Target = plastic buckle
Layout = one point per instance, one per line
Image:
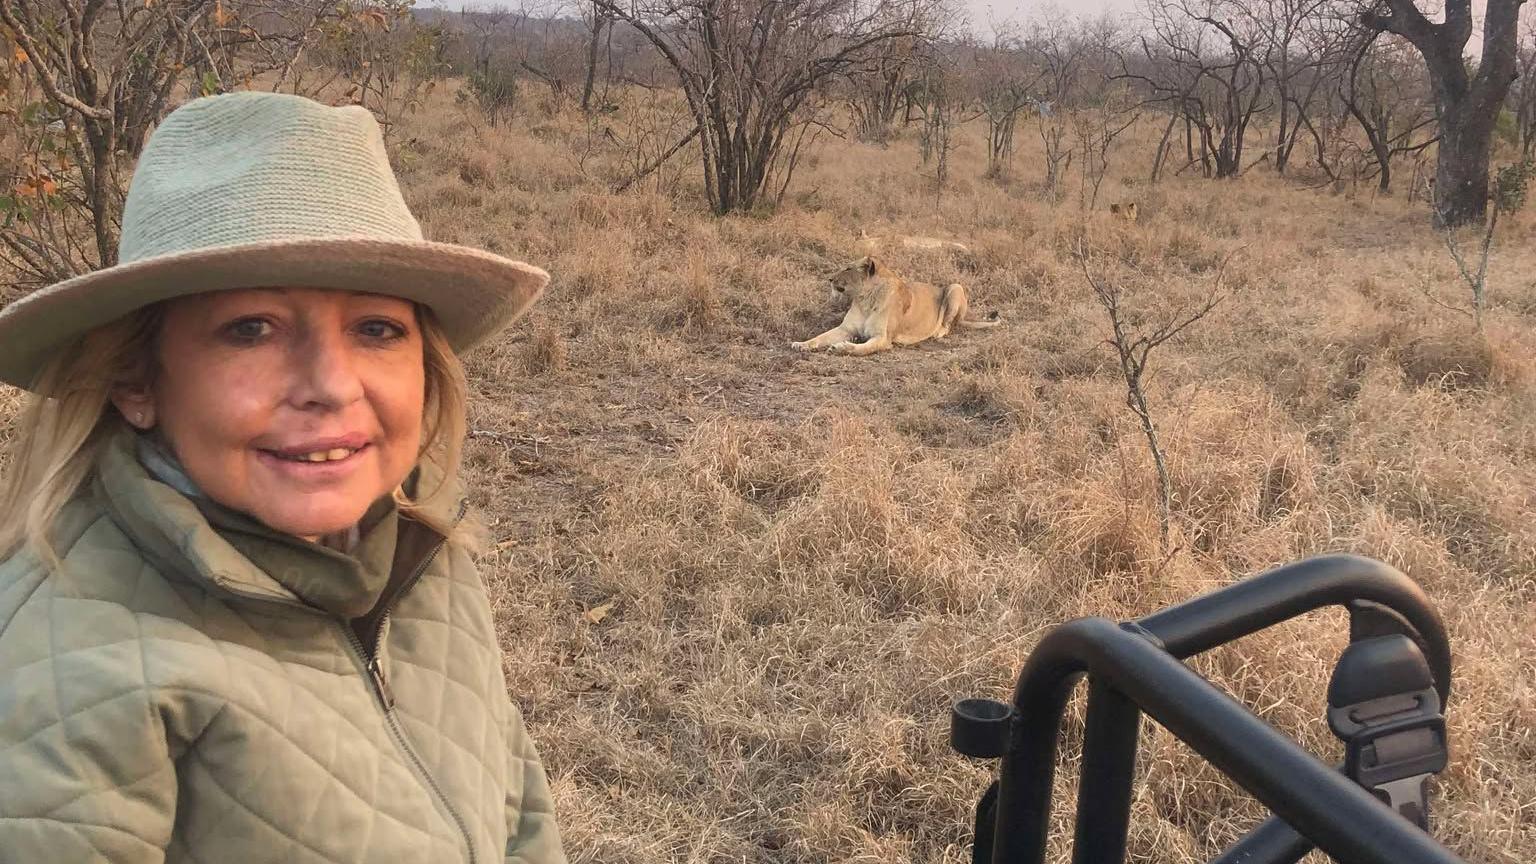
(1396, 758)
(1393, 741)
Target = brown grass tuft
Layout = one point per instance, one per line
(545, 352)
(476, 169)
(1462, 359)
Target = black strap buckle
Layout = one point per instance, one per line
(1382, 704)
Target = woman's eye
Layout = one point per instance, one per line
(249, 329)
(381, 330)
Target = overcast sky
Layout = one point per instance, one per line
(1022, 9)
(984, 11)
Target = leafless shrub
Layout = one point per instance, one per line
(751, 73)
(80, 92)
(1133, 344)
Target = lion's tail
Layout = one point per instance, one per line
(992, 320)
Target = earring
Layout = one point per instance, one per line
(138, 418)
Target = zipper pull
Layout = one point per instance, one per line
(379, 681)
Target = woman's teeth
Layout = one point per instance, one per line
(335, 455)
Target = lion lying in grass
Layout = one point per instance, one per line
(871, 244)
(886, 310)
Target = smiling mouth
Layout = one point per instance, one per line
(334, 454)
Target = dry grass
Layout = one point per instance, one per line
(809, 557)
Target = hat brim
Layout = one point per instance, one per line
(473, 293)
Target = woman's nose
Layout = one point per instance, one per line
(325, 373)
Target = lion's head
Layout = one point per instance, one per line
(851, 277)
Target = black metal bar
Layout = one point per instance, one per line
(1284, 592)
(1273, 842)
(1109, 762)
(1344, 820)
(1024, 778)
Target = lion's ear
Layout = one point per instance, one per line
(869, 265)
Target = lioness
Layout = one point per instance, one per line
(886, 309)
(871, 243)
(1128, 212)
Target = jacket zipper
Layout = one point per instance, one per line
(387, 696)
(387, 701)
(410, 581)
(380, 684)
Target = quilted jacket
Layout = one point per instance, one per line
(191, 687)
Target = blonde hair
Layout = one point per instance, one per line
(56, 439)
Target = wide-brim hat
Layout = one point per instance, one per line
(265, 190)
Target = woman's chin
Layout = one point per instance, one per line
(315, 512)
(314, 523)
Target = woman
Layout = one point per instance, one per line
(238, 621)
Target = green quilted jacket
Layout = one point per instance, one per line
(191, 687)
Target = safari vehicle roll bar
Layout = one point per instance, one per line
(1385, 702)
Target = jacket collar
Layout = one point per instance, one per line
(194, 535)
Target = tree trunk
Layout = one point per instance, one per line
(1461, 170)
(98, 134)
(1466, 105)
(1282, 152)
(599, 21)
(1162, 148)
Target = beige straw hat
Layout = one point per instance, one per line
(250, 190)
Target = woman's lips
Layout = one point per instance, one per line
(301, 449)
(318, 465)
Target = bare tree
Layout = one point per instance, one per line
(1301, 43)
(1133, 344)
(651, 133)
(492, 81)
(1476, 280)
(938, 97)
(97, 103)
(1525, 96)
(1006, 83)
(1203, 58)
(1382, 92)
(1105, 107)
(1164, 85)
(1510, 187)
(1232, 80)
(750, 69)
(882, 83)
(1055, 46)
(1096, 126)
(1333, 143)
(601, 23)
(388, 60)
(91, 78)
(1467, 99)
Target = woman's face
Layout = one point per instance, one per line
(300, 407)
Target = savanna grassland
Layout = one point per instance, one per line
(739, 586)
